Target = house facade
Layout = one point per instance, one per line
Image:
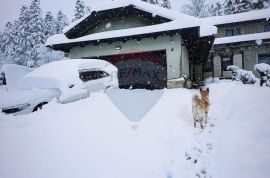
(242, 39)
(151, 46)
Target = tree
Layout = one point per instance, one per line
(216, 9)
(162, 3)
(229, 7)
(61, 22)
(80, 10)
(49, 25)
(197, 8)
(242, 6)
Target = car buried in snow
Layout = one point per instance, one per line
(65, 80)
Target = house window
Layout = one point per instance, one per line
(233, 32)
(208, 65)
(226, 61)
(267, 28)
(264, 58)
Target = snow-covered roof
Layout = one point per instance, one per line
(242, 38)
(138, 4)
(240, 17)
(205, 30)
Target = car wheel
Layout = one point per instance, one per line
(39, 106)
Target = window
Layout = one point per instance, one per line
(226, 61)
(264, 58)
(267, 28)
(208, 66)
(233, 32)
(87, 75)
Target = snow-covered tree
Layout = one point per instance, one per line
(229, 7)
(260, 4)
(80, 10)
(22, 40)
(216, 9)
(162, 3)
(61, 22)
(49, 25)
(242, 6)
(197, 8)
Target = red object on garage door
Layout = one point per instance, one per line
(147, 70)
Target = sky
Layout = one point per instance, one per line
(9, 9)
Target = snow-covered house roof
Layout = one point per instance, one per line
(240, 17)
(257, 37)
(175, 21)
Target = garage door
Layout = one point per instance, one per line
(146, 70)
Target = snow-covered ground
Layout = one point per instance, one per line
(142, 134)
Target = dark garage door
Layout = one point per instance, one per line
(146, 70)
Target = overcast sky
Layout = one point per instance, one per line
(9, 9)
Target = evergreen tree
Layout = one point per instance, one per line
(162, 3)
(229, 7)
(80, 10)
(61, 22)
(216, 9)
(197, 8)
(49, 25)
(242, 6)
(260, 4)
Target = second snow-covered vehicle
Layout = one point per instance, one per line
(66, 80)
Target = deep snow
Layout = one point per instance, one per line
(93, 138)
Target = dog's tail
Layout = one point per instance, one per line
(195, 99)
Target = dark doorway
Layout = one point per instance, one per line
(147, 70)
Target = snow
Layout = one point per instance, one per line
(170, 14)
(264, 68)
(55, 78)
(205, 30)
(242, 38)
(240, 17)
(108, 25)
(96, 137)
(13, 77)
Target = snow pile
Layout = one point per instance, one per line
(13, 77)
(58, 38)
(95, 137)
(264, 70)
(256, 37)
(246, 77)
(239, 17)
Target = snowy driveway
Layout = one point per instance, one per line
(92, 138)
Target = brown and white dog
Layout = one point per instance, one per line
(200, 107)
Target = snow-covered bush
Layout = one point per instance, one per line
(264, 70)
(246, 77)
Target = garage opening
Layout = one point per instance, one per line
(147, 70)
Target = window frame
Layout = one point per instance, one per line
(233, 32)
(88, 78)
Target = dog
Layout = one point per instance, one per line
(200, 107)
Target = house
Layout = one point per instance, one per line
(151, 46)
(242, 39)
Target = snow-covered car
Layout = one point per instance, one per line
(66, 80)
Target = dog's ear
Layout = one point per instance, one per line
(201, 89)
(207, 90)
